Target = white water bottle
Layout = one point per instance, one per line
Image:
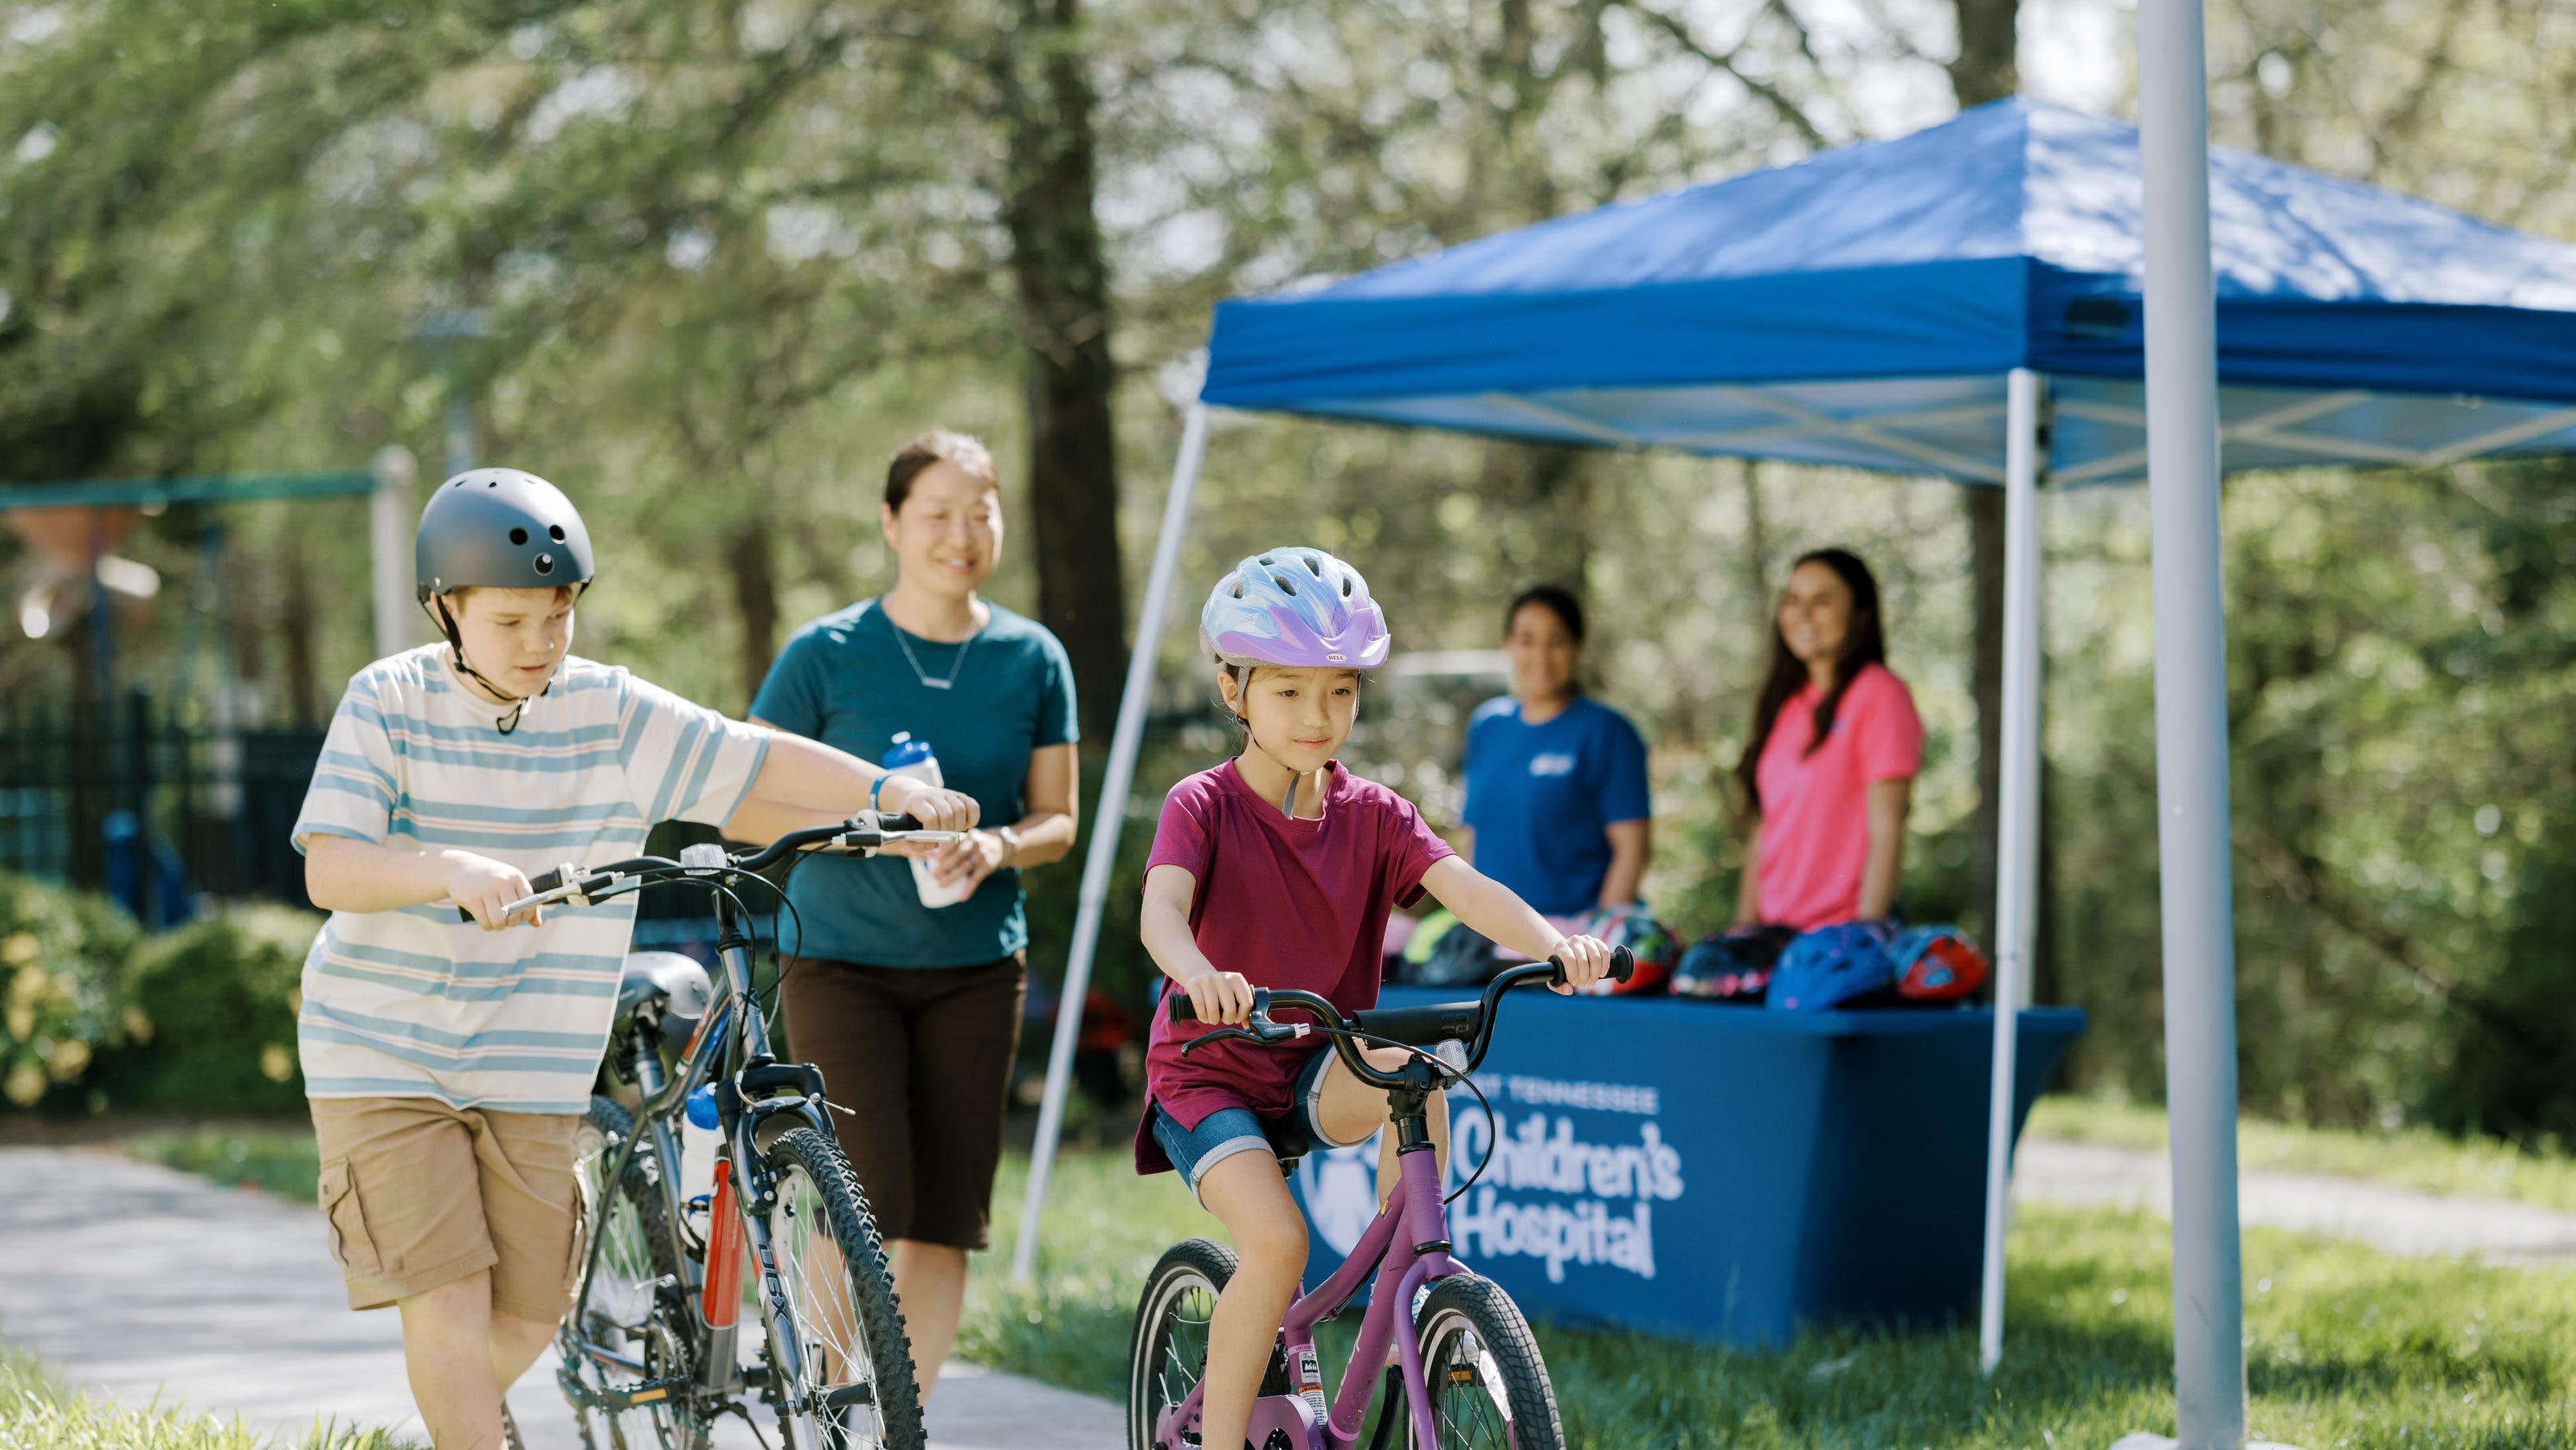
(912, 758)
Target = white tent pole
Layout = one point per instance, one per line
(2191, 727)
(1107, 816)
(2016, 829)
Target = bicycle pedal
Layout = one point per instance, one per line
(650, 1392)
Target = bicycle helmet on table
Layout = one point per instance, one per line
(496, 528)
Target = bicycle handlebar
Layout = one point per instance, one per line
(1447, 1018)
(862, 834)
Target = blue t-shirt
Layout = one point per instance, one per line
(843, 680)
(1540, 798)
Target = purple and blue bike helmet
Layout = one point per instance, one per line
(1297, 607)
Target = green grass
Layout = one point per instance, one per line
(2408, 1157)
(36, 1413)
(279, 1159)
(2347, 1347)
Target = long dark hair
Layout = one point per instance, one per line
(1864, 643)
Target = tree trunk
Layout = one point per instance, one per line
(755, 599)
(1063, 276)
(1986, 70)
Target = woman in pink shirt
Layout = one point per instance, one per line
(1829, 771)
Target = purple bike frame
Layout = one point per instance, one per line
(1415, 1219)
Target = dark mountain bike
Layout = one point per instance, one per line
(650, 1353)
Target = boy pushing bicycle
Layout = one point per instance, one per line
(448, 1063)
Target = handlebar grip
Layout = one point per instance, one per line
(1183, 1010)
(1623, 964)
(893, 822)
(538, 885)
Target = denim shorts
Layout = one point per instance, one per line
(1229, 1131)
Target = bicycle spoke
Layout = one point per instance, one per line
(836, 1372)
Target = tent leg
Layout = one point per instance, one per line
(1107, 817)
(2191, 727)
(2017, 829)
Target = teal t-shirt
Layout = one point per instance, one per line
(843, 680)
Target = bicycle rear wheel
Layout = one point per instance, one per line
(843, 1377)
(1169, 1351)
(1489, 1388)
(636, 1308)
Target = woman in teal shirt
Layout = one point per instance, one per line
(913, 1012)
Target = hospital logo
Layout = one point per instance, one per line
(1340, 1189)
(1553, 763)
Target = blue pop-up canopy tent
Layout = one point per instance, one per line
(1968, 302)
(1865, 307)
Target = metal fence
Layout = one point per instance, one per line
(153, 805)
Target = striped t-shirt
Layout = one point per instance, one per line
(412, 1003)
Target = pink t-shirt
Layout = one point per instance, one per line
(1815, 808)
(1288, 903)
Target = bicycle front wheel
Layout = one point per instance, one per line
(839, 1359)
(1169, 1351)
(1489, 1388)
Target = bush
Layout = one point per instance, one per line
(215, 1007)
(63, 958)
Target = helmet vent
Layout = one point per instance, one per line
(1312, 566)
(1346, 588)
(545, 563)
(1286, 584)
(518, 536)
(555, 532)
(491, 483)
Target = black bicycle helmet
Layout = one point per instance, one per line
(496, 528)
(499, 528)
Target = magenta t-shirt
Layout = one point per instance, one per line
(1815, 808)
(1288, 903)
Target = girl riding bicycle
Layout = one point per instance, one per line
(1278, 869)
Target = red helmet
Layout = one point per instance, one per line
(1648, 940)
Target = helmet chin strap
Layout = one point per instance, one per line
(1288, 806)
(446, 623)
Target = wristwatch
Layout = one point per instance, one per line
(1010, 844)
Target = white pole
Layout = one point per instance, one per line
(2016, 828)
(2191, 727)
(1106, 818)
(389, 530)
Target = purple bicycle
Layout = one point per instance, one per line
(1468, 1376)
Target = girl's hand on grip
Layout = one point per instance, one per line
(1220, 997)
(1586, 958)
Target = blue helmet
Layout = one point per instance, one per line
(1832, 965)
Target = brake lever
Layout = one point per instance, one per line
(1262, 1033)
(1219, 1035)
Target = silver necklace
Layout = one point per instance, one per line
(913, 660)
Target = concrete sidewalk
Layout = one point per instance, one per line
(2395, 1220)
(143, 1281)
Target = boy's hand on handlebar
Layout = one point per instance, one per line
(485, 888)
(1586, 958)
(937, 808)
(1220, 997)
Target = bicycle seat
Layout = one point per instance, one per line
(673, 983)
(1288, 1141)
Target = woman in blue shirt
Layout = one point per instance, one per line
(1556, 782)
(913, 1012)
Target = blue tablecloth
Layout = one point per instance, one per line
(1716, 1172)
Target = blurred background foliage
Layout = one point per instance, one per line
(730, 253)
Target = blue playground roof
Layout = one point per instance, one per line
(1862, 307)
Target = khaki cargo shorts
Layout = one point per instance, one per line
(420, 1194)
